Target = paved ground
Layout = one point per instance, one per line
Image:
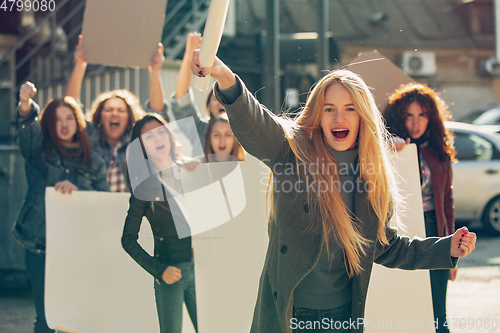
(473, 299)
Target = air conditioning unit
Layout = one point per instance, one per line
(419, 63)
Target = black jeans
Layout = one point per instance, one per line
(35, 267)
(322, 321)
(439, 278)
(170, 297)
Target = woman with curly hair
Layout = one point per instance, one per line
(416, 113)
(333, 197)
(114, 113)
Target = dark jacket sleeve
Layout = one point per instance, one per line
(101, 174)
(162, 113)
(190, 110)
(256, 128)
(417, 253)
(448, 200)
(30, 136)
(136, 212)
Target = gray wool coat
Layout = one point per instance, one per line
(294, 247)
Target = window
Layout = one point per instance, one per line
(472, 147)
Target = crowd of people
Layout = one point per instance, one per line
(322, 245)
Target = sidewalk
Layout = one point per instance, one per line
(472, 299)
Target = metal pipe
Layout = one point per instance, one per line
(53, 49)
(323, 45)
(271, 75)
(497, 30)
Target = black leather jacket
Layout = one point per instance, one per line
(168, 248)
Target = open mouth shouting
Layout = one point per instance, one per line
(161, 148)
(64, 131)
(114, 125)
(340, 120)
(340, 133)
(114, 119)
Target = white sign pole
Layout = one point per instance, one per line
(211, 39)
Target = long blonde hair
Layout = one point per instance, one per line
(308, 143)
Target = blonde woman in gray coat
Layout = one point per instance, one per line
(332, 197)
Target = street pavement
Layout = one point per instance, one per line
(473, 298)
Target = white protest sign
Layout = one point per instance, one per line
(399, 299)
(211, 38)
(93, 286)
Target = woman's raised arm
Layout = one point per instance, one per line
(259, 131)
(219, 71)
(193, 42)
(74, 85)
(156, 96)
(26, 93)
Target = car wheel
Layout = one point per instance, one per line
(491, 216)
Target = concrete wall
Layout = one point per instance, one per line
(13, 188)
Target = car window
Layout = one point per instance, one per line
(471, 117)
(472, 147)
(490, 117)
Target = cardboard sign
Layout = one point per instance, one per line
(122, 32)
(380, 74)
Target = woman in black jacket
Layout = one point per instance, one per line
(154, 171)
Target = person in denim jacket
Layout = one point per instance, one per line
(114, 113)
(57, 151)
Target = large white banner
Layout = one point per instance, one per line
(93, 286)
(398, 299)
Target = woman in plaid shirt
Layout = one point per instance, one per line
(114, 113)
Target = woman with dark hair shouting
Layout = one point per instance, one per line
(57, 151)
(172, 265)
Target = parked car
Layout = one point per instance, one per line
(487, 116)
(476, 176)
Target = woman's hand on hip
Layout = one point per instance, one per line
(462, 242)
(171, 275)
(453, 274)
(65, 186)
